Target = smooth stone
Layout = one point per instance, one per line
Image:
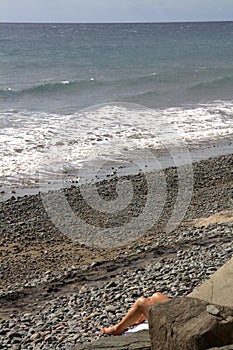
(211, 309)
(111, 308)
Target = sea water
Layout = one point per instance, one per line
(70, 93)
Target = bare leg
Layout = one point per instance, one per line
(155, 299)
(141, 319)
(137, 314)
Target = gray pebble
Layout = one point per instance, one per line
(211, 309)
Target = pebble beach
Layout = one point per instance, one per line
(56, 292)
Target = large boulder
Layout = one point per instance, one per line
(133, 341)
(190, 324)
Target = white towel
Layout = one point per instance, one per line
(137, 328)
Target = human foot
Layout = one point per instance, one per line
(110, 330)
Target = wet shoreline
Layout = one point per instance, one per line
(193, 154)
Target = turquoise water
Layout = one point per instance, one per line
(183, 72)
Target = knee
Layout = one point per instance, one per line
(141, 301)
(157, 295)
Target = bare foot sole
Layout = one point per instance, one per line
(110, 330)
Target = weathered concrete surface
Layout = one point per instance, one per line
(219, 288)
(134, 341)
(185, 324)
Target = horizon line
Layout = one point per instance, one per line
(114, 22)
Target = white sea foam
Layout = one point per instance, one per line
(56, 143)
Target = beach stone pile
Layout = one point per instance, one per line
(57, 294)
(31, 244)
(76, 318)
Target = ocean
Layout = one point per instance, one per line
(71, 93)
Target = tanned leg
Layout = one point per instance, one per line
(155, 299)
(137, 313)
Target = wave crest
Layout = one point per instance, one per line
(215, 83)
(45, 88)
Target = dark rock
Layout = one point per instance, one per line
(185, 324)
(134, 341)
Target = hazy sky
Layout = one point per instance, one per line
(114, 10)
